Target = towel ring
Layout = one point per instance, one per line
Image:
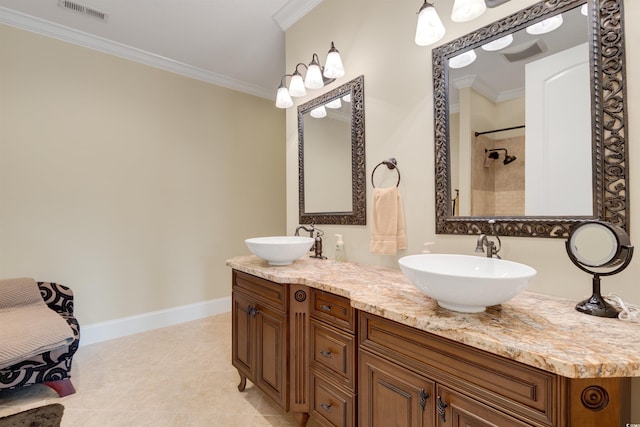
(391, 164)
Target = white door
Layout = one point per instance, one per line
(558, 167)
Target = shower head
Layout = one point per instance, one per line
(493, 154)
(508, 159)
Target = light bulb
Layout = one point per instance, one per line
(429, 29)
(546, 26)
(498, 44)
(313, 79)
(463, 59)
(333, 68)
(334, 104)
(296, 86)
(319, 112)
(283, 99)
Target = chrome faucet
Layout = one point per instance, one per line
(483, 240)
(317, 242)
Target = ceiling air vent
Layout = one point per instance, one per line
(85, 10)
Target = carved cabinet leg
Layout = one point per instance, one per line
(301, 418)
(243, 382)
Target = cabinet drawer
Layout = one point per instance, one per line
(333, 350)
(270, 293)
(502, 383)
(332, 405)
(333, 309)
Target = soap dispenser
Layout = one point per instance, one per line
(339, 248)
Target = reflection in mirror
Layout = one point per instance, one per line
(331, 159)
(541, 99)
(327, 156)
(510, 94)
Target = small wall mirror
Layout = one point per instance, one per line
(532, 133)
(598, 245)
(331, 157)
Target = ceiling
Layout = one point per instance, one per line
(237, 44)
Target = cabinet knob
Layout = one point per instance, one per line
(325, 307)
(254, 312)
(326, 353)
(249, 309)
(442, 409)
(326, 407)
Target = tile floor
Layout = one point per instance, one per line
(175, 376)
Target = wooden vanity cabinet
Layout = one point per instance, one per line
(464, 386)
(270, 330)
(259, 310)
(333, 350)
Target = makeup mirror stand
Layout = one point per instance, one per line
(619, 257)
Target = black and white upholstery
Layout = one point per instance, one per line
(51, 368)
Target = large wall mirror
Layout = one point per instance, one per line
(530, 126)
(331, 157)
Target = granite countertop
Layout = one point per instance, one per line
(538, 330)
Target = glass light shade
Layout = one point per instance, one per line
(347, 98)
(546, 26)
(319, 112)
(333, 68)
(283, 99)
(429, 29)
(463, 59)
(296, 86)
(336, 103)
(584, 10)
(498, 44)
(313, 79)
(466, 10)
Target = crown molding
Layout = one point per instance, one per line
(80, 38)
(292, 11)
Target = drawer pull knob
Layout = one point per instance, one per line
(326, 353)
(442, 409)
(326, 407)
(325, 307)
(423, 396)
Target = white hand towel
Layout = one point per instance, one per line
(387, 222)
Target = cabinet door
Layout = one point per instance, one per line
(271, 372)
(393, 396)
(244, 335)
(456, 410)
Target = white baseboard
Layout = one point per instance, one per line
(104, 331)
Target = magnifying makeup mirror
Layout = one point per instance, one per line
(597, 244)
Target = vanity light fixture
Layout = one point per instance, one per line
(316, 77)
(546, 26)
(466, 10)
(498, 44)
(430, 28)
(336, 103)
(462, 60)
(584, 10)
(318, 113)
(283, 98)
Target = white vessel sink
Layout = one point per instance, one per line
(279, 250)
(466, 283)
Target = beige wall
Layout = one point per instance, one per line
(128, 183)
(375, 38)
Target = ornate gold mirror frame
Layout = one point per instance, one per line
(609, 123)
